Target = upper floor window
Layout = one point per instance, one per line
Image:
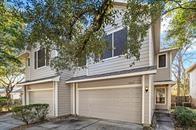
(162, 61)
(116, 43)
(28, 62)
(41, 58)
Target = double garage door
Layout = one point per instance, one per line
(120, 103)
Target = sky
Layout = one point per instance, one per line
(192, 50)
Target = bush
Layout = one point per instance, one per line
(31, 113)
(185, 117)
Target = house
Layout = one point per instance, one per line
(108, 89)
(192, 83)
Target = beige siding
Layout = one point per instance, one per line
(38, 73)
(111, 82)
(122, 104)
(193, 84)
(117, 63)
(163, 73)
(64, 94)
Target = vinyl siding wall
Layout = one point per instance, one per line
(42, 72)
(64, 94)
(163, 73)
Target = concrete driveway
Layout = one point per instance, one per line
(7, 122)
(83, 123)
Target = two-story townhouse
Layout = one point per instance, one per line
(111, 88)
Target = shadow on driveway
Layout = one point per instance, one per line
(82, 123)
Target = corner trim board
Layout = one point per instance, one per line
(143, 94)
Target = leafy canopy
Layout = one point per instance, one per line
(11, 36)
(75, 28)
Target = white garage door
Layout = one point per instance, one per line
(45, 96)
(124, 104)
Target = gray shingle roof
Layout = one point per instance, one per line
(114, 73)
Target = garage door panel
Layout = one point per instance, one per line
(118, 104)
(41, 97)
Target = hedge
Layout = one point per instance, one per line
(31, 113)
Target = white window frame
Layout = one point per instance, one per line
(165, 61)
(37, 59)
(156, 96)
(113, 47)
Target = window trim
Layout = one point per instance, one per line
(36, 52)
(113, 47)
(156, 96)
(165, 61)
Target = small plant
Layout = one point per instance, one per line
(185, 117)
(31, 113)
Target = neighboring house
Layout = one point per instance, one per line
(192, 83)
(15, 94)
(109, 89)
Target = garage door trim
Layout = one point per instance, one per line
(40, 89)
(112, 87)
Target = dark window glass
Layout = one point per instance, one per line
(108, 51)
(35, 60)
(41, 58)
(28, 61)
(47, 56)
(162, 60)
(120, 41)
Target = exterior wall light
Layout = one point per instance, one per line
(146, 89)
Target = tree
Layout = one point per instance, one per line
(183, 57)
(75, 28)
(10, 76)
(11, 36)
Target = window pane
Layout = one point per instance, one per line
(120, 41)
(160, 95)
(35, 60)
(162, 61)
(41, 58)
(28, 61)
(47, 56)
(108, 51)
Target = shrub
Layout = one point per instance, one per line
(185, 117)
(31, 113)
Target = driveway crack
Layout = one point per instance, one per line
(88, 125)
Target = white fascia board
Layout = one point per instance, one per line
(115, 76)
(40, 81)
(166, 82)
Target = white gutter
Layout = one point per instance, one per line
(40, 81)
(114, 76)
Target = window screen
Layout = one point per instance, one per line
(41, 58)
(162, 60)
(108, 50)
(120, 41)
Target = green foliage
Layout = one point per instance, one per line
(11, 36)
(185, 117)
(75, 29)
(31, 113)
